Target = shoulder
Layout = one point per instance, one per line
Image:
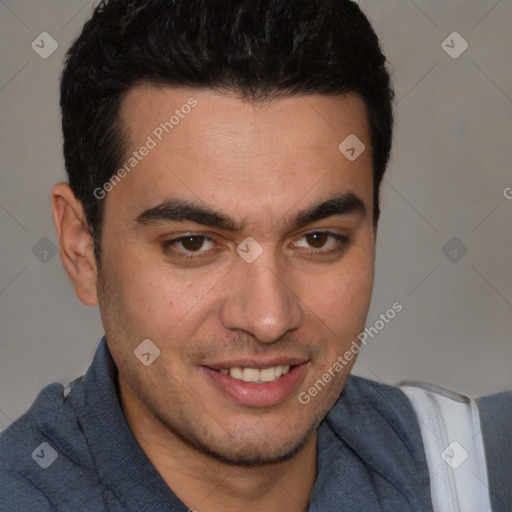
(17, 440)
(375, 425)
(382, 411)
(468, 444)
(41, 452)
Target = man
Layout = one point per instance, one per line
(224, 164)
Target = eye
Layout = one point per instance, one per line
(319, 239)
(190, 244)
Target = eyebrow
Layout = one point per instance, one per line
(183, 210)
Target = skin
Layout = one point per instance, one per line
(260, 164)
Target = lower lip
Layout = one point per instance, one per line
(258, 395)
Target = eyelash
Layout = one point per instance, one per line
(342, 240)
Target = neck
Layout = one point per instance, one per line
(204, 483)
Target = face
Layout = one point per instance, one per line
(241, 244)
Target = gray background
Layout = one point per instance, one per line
(451, 166)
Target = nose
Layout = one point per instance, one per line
(261, 300)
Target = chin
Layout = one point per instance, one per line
(255, 453)
(252, 446)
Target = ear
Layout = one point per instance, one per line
(75, 242)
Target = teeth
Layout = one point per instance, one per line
(268, 374)
(251, 375)
(236, 373)
(255, 375)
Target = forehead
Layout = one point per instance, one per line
(216, 147)
(240, 119)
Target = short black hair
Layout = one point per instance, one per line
(258, 49)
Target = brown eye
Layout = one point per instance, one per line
(317, 240)
(192, 243)
(322, 243)
(189, 246)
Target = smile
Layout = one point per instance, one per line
(257, 387)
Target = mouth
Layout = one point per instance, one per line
(256, 385)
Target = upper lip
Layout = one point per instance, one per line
(259, 364)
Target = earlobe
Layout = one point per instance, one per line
(75, 242)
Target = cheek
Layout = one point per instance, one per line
(151, 297)
(340, 298)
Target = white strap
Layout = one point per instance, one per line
(452, 437)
